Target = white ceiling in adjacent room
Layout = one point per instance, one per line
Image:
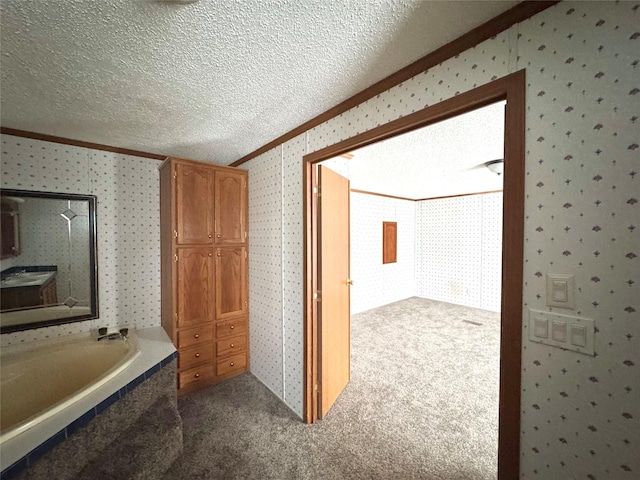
(439, 160)
(211, 80)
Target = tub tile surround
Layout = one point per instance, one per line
(24, 450)
(128, 226)
(579, 414)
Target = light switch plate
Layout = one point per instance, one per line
(578, 335)
(567, 332)
(541, 327)
(559, 331)
(560, 290)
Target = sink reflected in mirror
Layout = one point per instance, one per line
(48, 267)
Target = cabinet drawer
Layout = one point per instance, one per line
(202, 373)
(195, 335)
(231, 345)
(194, 355)
(231, 364)
(231, 327)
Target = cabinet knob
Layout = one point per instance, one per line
(219, 254)
(209, 235)
(232, 345)
(231, 364)
(218, 235)
(211, 254)
(197, 355)
(232, 327)
(197, 375)
(196, 336)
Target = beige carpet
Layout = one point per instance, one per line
(422, 404)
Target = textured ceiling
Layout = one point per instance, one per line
(435, 161)
(211, 80)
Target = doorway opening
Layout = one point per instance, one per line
(511, 89)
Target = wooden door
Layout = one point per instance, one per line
(195, 289)
(194, 200)
(230, 206)
(334, 323)
(231, 282)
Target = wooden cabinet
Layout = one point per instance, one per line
(231, 282)
(204, 258)
(195, 292)
(230, 207)
(194, 204)
(10, 229)
(18, 298)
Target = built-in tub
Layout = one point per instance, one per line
(34, 438)
(40, 381)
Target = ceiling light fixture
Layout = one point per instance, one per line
(496, 166)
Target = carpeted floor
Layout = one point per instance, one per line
(422, 404)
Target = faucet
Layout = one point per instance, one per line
(103, 335)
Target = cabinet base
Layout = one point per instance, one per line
(207, 382)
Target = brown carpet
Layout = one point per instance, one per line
(422, 404)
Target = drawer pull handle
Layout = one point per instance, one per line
(231, 364)
(197, 375)
(197, 355)
(232, 345)
(232, 327)
(196, 336)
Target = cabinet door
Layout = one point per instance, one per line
(231, 282)
(10, 229)
(194, 204)
(230, 206)
(195, 290)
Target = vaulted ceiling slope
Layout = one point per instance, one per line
(212, 80)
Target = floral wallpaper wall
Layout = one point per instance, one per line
(459, 250)
(580, 414)
(375, 283)
(128, 203)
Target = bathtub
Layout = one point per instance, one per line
(36, 383)
(63, 383)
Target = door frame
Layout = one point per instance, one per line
(511, 88)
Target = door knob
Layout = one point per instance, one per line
(349, 281)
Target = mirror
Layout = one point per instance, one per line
(48, 264)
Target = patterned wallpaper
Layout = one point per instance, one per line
(276, 271)
(376, 284)
(292, 271)
(265, 269)
(459, 250)
(127, 189)
(580, 415)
